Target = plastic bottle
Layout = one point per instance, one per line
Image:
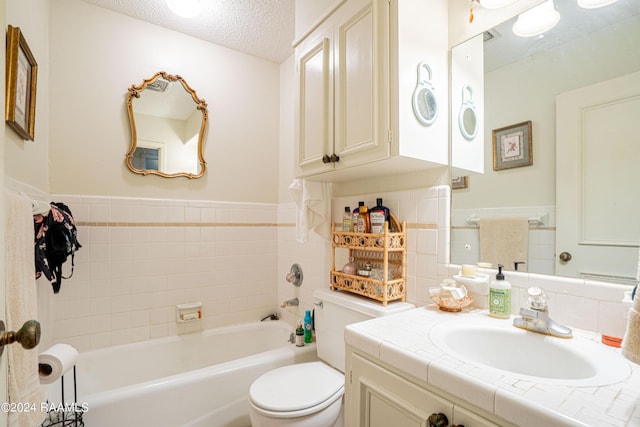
(500, 296)
(299, 335)
(354, 214)
(364, 224)
(308, 332)
(378, 216)
(347, 219)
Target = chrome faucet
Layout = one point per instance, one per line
(536, 317)
(292, 301)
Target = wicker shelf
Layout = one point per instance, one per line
(386, 252)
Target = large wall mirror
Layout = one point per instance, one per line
(168, 123)
(579, 85)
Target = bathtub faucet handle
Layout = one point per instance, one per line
(295, 275)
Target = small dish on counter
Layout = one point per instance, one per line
(450, 298)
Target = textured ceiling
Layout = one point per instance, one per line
(263, 28)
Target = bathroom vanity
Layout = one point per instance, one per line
(401, 371)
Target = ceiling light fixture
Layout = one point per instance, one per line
(536, 21)
(184, 8)
(496, 4)
(594, 4)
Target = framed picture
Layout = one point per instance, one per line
(459, 182)
(22, 73)
(512, 146)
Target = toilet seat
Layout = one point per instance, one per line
(296, 390)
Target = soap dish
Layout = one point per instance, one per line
(447, 302)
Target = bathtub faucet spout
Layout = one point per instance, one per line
(293, 301)
(272, 316)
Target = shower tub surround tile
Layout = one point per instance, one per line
(142, 257)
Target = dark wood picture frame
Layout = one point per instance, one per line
(512, 146)
(459, 182)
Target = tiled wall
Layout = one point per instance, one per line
(426, 212)
(141, 257)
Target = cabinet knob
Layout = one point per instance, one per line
(438, 420)
(334, 158)
(28, 335)
(326, 158)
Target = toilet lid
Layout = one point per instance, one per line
(296, 387)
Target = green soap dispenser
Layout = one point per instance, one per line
(500, 296)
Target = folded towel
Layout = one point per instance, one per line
(21, 305)
(504, 241)
(313, 202)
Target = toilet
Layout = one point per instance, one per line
(311, 394)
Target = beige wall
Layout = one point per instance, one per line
(27, 161)
(97, 54)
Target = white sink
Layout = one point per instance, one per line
(529, 355)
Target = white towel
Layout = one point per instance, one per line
(313, 202)
(21, 305)
(504, 241)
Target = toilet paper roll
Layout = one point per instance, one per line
(55, 361)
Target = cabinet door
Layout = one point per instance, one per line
(380, 398)
(361, 55)
(314, 103)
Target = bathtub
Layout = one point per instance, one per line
(195, 380)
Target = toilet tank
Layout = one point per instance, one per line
(336, 309)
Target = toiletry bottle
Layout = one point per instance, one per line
(364, 224)
(378, 216)
(347, 219)
(307, 327)
(299, 335)
(500, 296)
(354, 215)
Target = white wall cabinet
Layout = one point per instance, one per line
(377, 397)
(356, 74)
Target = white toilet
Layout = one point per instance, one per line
(310, 394)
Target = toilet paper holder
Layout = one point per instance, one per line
(28, 335)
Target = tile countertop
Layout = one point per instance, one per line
(402, 340)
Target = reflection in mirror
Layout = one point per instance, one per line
(530, 79)
(168, 123)
(467, 120)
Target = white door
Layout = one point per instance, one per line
(598, 180)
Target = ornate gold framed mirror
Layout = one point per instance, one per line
(168, 124)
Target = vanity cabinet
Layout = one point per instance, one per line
(356, 73)
(378, 397)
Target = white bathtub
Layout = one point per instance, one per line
(196, 380)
